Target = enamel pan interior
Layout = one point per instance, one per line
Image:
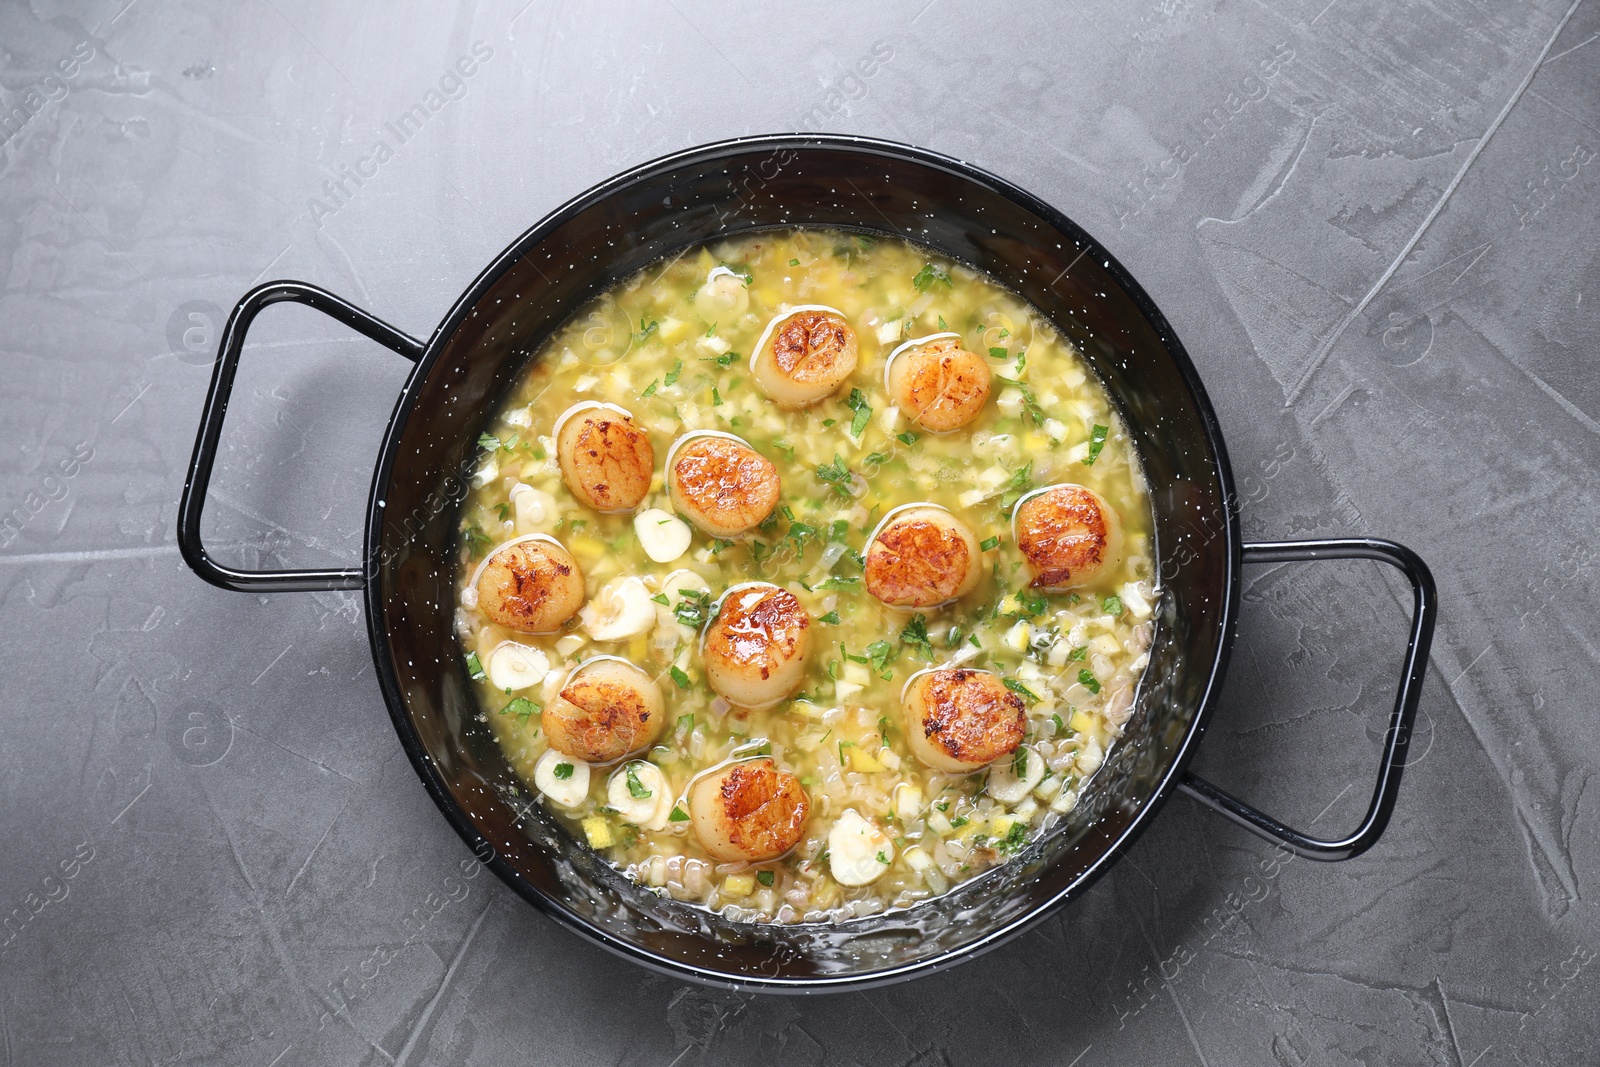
(679, 202)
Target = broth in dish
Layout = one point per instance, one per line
(806, 575)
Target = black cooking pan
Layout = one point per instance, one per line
(484, 344)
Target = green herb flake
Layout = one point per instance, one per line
(474, 667)
(1090, 682)
(998, 353)
(883, 859)
(1020, 483)
(679, 677)
(907, 438)
(636, 788)
(1061, 727)
(989, 544)
(857, 402)
(661, 598)
(766, 878)
(678, 815)
(563, 771)
(672, 375)
(1079, 652)
(1030, 401)
(942, 325)
(489, 442)
(958, 822)
(650, 390)
(915, 634)
(693, 606)
(829, 422)
(477, 540)
(1097, 441)
(930, 274)
(1112, 605)
(831, 618)
(646, 329)
(716, 397)
(711, 330)
(1023, 691)
(792, 263)
(1019, 763)
(503, 511)
(522, 709)
(880, 654)
(836, 474)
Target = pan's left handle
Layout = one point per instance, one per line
(205, 445)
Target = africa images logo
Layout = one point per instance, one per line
(452, 86)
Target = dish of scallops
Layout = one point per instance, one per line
(806, 575)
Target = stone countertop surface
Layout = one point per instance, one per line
(1374, 225)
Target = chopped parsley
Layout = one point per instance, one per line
(1020, 483)
(679, 677)
(831, 618)
(678, 815)
(646, 329)
(907, 438)
(1079, 652)
(792, 263)
(693, 606)
(998, 353)
(475, 667)
(1097, 441)
(880, 654)
(477, 540)
(1030, 401)
(661, 598)
(942, 325)
(563, 771)
(716, 397)
(636, 788)
(1019, 763)
(1023, 691)
(766, 878)
(672, 375)
(1015, 838)
(1061, 727)
(915, 634)
(989, 543)
(883, 859)
(857, 403)
(686, 723)
(1112, 605)
(930, 274)
(1090, 682)
(650, 390)
(504, 511)
(836, 474)
(489, 442)
(958, 822)
(523, 708)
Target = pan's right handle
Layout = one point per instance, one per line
(205, 446)
(1425, 606)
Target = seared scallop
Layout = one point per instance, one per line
(606, 459)
(921, 556)
(1068, 534)
(755, 649)
(607, 709)
(721, 484)
(751, 811)
(531, 584)
(938, 384)
(960, 720)
(804, 355)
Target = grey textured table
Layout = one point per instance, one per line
(1373, 224)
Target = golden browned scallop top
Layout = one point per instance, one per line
(606, 710)
(919, 560)
(533, 586)
(1068, 535)
(940, 385)
(606, 459)
(759, 629)
(970, 715)
(763, 809)
(724, 486)
(815, 347)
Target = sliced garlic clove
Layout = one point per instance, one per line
(563, 779)
(512, 666)
(1006, 785)
(664, 536)
(622, 609)
(638, 791)
(858, 852)
(535, 509)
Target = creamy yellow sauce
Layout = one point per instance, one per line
(655, 347)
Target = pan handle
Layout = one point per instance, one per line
(1396, 741)
(205, 446)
